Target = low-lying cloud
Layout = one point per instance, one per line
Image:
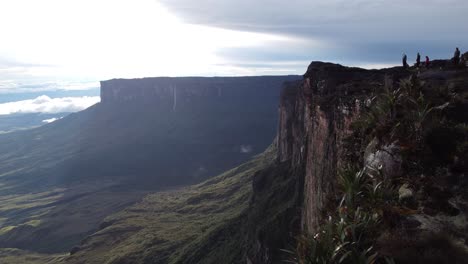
(246, 148)
(50, 120)
(45, 104)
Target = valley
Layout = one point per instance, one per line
(60, 180)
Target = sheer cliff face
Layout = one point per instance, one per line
(184, 89)
(315, 117)
(121, 90)
(211, 117)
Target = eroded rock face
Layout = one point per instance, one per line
(315, 118)
(385, 160)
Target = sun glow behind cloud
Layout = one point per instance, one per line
(95, 40)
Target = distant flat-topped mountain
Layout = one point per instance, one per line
(145, 135)
(187, 89)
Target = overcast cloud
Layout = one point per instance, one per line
(350, 31)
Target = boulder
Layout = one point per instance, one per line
(385, 160)
(405, 192)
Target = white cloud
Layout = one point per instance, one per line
(50, 120)
(246, 148)
(45, 104)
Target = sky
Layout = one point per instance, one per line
(57, 45)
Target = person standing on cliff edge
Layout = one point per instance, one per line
(427, 61)
(418, 60)
(405, 63)
(456, 57)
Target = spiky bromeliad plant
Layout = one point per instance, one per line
(346, 235)
(397, 112)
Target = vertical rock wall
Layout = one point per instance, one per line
(315, 117)
(187, 88)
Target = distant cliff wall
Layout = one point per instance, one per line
(180, 89)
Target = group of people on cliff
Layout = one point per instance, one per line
(418, 61)
(457, 58)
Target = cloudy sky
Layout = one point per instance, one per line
(52, 45)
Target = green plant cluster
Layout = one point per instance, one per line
(400, 112)
(424, 119)
(348, 235)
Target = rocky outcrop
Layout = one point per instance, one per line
(385, 160)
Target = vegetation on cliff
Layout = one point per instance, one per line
(389, 204)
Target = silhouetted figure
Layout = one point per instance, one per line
(418, 60)
(456, 56)
(405, 63)
(427, 61)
